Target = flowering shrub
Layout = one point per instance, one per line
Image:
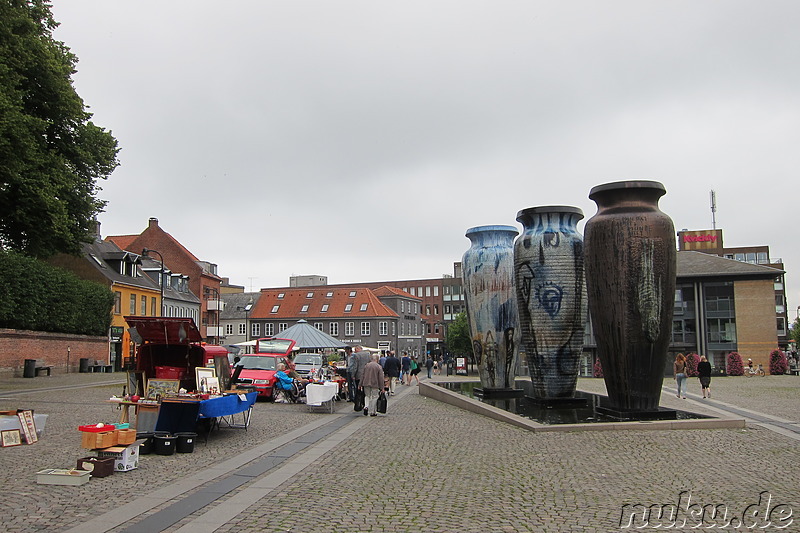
(735, 366)
(778, 364)
(597, 371)
(692, 360)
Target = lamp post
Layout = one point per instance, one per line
(145, 253)
(247, 309)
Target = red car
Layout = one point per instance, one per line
(258, 369)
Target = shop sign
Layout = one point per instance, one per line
(116, 333)
(700, 238)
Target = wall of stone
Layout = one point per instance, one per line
(56, 349)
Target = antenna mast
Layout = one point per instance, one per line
(713, 209)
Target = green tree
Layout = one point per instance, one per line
(51, 154)
(795, 331)
(458, 337)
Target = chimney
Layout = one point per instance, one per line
(153, 223)
(97, 237)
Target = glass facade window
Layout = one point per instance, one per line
(781, 326)
(721, 330)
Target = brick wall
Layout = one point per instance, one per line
(52, 348)
(756, 326)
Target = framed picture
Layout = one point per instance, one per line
(28, 426)
(162, 387)
(202, 373)
(10, 437)
(210, 384)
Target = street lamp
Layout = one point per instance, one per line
(145, 252)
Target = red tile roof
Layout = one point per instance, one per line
(386, 290)
(290, 303)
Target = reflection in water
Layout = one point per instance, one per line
(546, 415)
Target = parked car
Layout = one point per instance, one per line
(305, 362)
(258, 370)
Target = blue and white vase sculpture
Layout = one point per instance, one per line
(551, 296)
(488, 271)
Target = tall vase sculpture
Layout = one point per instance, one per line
(630, 277)
(488, 271)
(551, 297)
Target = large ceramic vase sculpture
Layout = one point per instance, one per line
(488, 271)
(551, 297)
(630, 277)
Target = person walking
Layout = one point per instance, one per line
(680, 374)
(405, 368)
(392, 370)
(362, 358)
(372, 382)
(429, 365)
(704, 372)
(350, 361)
(414, 370)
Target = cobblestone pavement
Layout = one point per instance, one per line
(426, 466)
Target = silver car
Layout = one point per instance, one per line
(305, 362)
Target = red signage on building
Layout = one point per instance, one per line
(700, 238)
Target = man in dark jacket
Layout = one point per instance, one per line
(391, 367)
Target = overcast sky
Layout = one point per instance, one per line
(359, 140)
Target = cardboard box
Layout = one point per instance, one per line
(125, 458)
(93, 441)
(55, 476)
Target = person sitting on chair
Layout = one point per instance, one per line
(289, 386)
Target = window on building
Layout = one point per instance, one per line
(143, 309)
(428, 290)
(419, 292)
(448, 309)
(348, 308)
(255, 329)
(324, 308)
(762, 258)
(153, 306)
(779, 307)
(781, 326)
(413, 291)
(436, 328)
(402, 306)
(282, 326)
(349, 329)
(364, 307)
(446, 290)
(428, 329)
(133, 304)
(309, 295)
(365, 328)
(428, 309)
(319, 325)
(329, 294)
(228, 329)
(352, 294)
(383, 328)
(304, 309)
(275, 308)
(281, 295)
(751, 257)
(333, 329)
(435, 309)
(269, 329)
(117, 302)
(778, 285)
(721, 330)
(242, 328)
(436, 290)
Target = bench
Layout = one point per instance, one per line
(41, 366)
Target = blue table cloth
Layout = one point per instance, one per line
(226, 405)
(182, 416)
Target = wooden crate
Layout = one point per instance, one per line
(126, 436)
(93, 441)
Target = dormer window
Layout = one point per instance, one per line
(310, 295)
(352, 294)
(364, 307)
(324, 308)
(348, 308)
(304, 309)
(329, 294)
(275, 308)
(281, 295)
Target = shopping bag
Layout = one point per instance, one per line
(382, 402)
(358, 401)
